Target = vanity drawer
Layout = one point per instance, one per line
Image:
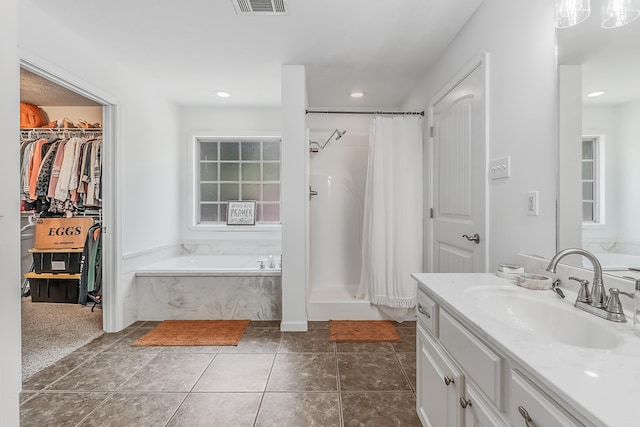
(428, 312)
(526, 400)
(480, 363)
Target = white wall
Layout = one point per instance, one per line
(147, 151)
(629, 170)
(148, 129)
(10, 368)
(219, 121)
(603, 121)
(570, 153)
(295, 202)
(338, 173)
(520, 39)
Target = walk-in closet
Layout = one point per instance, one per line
(61, 207)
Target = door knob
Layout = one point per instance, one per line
(475, 238)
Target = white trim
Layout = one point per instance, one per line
(135, 254)
(599, 180)
(223, 228)
(111, 215)
(293, 326)
(481, 60)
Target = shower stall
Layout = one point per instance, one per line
(338, 150)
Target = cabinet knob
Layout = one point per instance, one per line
(527, 418)
(448, 380)
(464, 402)
(423, 311)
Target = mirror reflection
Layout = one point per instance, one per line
(599, 140)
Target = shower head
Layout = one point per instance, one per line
(321, 146)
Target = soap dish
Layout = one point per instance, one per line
(509, 271)
(534, 281)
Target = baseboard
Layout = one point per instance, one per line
(293, 326)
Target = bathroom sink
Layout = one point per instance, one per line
(554, 319)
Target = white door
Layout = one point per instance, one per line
(458, 180)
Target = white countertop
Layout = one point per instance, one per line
(602, 384)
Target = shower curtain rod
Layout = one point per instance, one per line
(392, 113)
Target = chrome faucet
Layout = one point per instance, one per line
(596, 301)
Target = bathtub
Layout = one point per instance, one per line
(209, 287)
(212, 265)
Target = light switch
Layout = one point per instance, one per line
(500, 168)
(532, 203)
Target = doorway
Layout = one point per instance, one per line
(458, 232)
(88, 114)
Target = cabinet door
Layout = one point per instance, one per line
(529, 406)
(478, 412)
(437, 402)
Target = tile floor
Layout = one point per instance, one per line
(271, 378)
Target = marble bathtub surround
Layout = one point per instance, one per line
(271, 378)
(232, 247)
(171, 297)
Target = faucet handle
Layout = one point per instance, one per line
(613, 303)
(583, 294)
(555, 287)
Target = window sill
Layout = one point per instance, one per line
(588, 225)
(240, 228)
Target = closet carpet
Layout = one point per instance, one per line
(51, 331)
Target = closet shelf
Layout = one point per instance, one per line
(43, 251)
(60, 129)
(62, 276)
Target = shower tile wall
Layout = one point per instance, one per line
(255, 298)
(338, 174)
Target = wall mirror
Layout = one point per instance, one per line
(599, 141)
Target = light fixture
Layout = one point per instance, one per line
(596, 93)
(223, 94)
(356, 94)
(616, 13)
(571, 12)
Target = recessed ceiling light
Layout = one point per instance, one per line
(596, 93)
(356, 94)
(223, 94)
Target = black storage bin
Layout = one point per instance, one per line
(54, 290)
(56, 262)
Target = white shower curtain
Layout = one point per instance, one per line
(392, 226)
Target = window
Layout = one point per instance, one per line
(232, 169)
(592, 197)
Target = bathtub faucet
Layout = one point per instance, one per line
(260, 264)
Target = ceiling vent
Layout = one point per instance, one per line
(260, 7)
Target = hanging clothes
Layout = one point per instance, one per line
(90, 265)
(60, 176)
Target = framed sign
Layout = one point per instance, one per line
(241, 212)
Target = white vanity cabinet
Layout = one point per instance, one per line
(439, 384)
(464, 381)
(530, 406)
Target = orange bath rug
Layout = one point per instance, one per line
(195, 332)
(362, 331)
